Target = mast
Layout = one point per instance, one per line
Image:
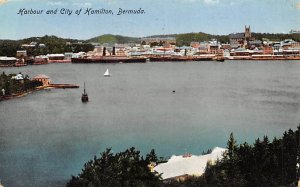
(84, 88)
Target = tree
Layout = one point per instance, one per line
(151, 157)
(126, 168)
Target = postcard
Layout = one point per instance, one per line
(149, 93)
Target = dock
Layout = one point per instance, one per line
(63, 86)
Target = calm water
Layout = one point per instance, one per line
(48, 135)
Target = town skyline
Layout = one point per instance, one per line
(160, 18)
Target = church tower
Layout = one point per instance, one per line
(247, 33)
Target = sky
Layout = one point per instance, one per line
(160, 17)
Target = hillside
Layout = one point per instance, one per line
(53, 44)
(276, 37)
(109, 38)
(56, 44)
(182, 39)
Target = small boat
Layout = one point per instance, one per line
(84, 97)
(106, 74)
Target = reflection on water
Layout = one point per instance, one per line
(47, 136)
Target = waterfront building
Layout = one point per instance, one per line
(187, 165)
(195, 44)
(41, 59)
(291, 52)
(21, 54)
(146, 46)
(18, 77)
(214, 47)
(158, 40)
(31, 45)
(203, 48)
(98, 50)
(56, 56)
(289, 43)
(42, 45)
(236, 40)
(121, 52)
(226, 53)
(79, 55)
(267, 50)
(9, 61)
(68, 55)
(276, 46)
(241, 39)
(255, 43)
(120, 49)
(294, 31)
(225, 46)
(42, 78)
(245, 52)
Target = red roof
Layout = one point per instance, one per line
(41, 76)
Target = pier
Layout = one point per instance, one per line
(63, 86)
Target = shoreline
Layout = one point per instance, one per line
(162, 59)
(51, 86)
(23, 94)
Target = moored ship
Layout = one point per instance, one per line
(264, 57)
(109, 59)
(180, 58)
(84, 96)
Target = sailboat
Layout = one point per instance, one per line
(84, 97)
(106, 74)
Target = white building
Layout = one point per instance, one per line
(191, 165)
(18, 77)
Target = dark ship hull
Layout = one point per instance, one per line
(109, 60)
(84, 98)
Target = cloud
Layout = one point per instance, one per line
(190, 1)
(211, 2)
(298, 6)
(207, 2)
(3, 1)
(82, 4)
(55, 3)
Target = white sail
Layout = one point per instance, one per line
(106, 74)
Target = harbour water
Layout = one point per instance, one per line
(48, 135)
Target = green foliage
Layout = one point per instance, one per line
(112, 39)
(186, 39)
(151, 157)
(263, 164)
(276, 37)
(12, 86)
(126, 168)
(9, 47)
(53, 44)
(206, 152)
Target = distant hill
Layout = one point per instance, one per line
(56, 44)
(53, 44)
(276, 37)
(109, 38)
(182, 39)
(187, 38)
